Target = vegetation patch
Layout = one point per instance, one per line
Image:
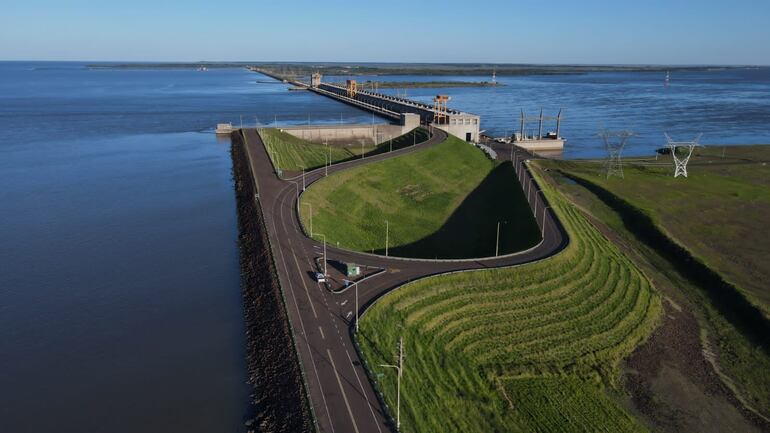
(717, 213)
(565, 322)
(290, 153)
(555, 405)
(294, 154)
(670, 220)
(440, 202)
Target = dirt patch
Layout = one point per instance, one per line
(674, 387)
(278, 398)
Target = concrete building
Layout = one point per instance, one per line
(315, 79)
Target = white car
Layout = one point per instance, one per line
(321, 278)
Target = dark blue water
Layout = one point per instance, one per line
(120, 306)
(727, 106)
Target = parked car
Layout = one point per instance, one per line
(321, 278)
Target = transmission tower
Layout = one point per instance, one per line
(680, 163)
(614, 142)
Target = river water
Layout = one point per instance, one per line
(120, 307)
(727, 106)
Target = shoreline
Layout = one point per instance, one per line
(278, 399)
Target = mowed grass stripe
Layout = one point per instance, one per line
(576, 314)
(495, 322)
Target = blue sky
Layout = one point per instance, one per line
(554, 31)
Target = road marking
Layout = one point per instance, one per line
(322, 333)
(344, 396)
(363, 390)
(301, 322)
(343, 303)
(299, 270)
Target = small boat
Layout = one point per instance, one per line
(203, 69)
(667, 80)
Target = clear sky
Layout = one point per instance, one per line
(531, 31)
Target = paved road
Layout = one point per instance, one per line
(342, 397)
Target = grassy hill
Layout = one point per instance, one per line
(526, 348)
(444, 201)
(290, 153)
(294, 154)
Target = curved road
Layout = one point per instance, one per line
(343, 399)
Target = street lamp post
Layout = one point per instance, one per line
(543, 234)
(324, 236)
(356, 287)
(399, 369)
(311, 218)
(303, 179)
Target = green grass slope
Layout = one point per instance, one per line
(293, 154)
(440, 202)
(718, 212)
(290, 153)
(527, 348)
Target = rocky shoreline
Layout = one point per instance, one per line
(278, 398)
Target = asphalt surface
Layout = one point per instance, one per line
(343, 399)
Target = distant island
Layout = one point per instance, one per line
(302, 69)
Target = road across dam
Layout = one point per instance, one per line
(337, 382)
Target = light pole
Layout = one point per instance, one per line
(311, 218)
(303, 179)
(356, 287)
(399, 370)
(391, 144)
(323, 236)
(387, 232)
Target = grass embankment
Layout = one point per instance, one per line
(440, 202)
(718, 212)
(527, 348)
(294, 154)
(716, 215)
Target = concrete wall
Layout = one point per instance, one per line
(461, 130)
(367, 135)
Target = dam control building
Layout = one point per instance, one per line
(461, 124)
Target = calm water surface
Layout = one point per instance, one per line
(727, 106)
(120, 305)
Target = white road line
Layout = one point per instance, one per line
(305, 286)
(363, 390)
(344, 396)
(322, 333)
(302, 325)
